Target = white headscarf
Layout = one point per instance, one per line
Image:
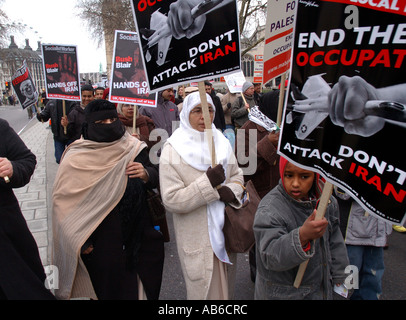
(192, 146)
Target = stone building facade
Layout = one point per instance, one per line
(12, 58)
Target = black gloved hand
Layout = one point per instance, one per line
(216, 175)
(226, 195)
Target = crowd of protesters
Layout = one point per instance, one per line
(104, 241)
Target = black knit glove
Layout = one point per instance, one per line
(216, 175)
(226, 195)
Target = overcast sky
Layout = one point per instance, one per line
(54, 22)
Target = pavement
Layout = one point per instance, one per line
(35, 202)
(35, 197)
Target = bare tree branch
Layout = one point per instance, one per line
(103, 17)
(7, 27)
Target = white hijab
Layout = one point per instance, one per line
(192, 146)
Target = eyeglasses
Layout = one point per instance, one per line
(198, 111)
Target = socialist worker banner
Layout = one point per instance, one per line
(187, 40)
(61, 72)
(345, 113)
(128, 81)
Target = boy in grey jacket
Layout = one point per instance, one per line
(287, 234)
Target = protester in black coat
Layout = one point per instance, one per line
(54, 111)
(21, 272)
(269, 104)
(219, 120)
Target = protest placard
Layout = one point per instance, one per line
(345, 113)
(24, 87)
(61, 72)
(235, 81)
(188, 40)
(208, 46)
(128, 82)
(280, 22)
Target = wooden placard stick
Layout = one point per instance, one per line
(281, 100)
(6, 179)
(207, 122)
(321, 210)
(245, 101)
(64, 114)
(134, 118)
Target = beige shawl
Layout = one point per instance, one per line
(89, 183)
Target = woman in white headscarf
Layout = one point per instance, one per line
(196, 195)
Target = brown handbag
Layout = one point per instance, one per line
(238, 223)
(158, 213)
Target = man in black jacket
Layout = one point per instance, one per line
(75, 119)
(219, 120)
(54, 111)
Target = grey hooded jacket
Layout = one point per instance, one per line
(279, 252)
(362, 228)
